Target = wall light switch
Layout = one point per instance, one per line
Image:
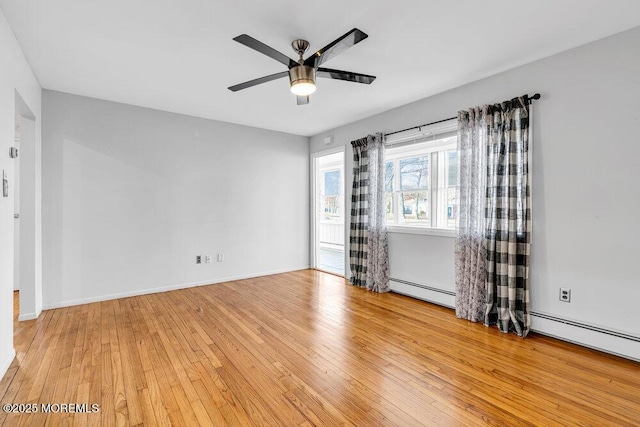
(5, 184)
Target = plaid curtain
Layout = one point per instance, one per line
(508, 216)
(358, 235)
(503, 134)
(368, 253)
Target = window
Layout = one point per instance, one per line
(330, 195)
(420, 179)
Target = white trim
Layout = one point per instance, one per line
(405, 229)
(27, 316)
(313, 227)
(327, 152)
(168, 288)
(4, 366)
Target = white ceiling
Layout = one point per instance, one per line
(179, 56)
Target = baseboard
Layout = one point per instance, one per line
(4, 366)
(580, 333)
(28, 316)
(147, 291)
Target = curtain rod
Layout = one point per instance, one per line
(531, 98)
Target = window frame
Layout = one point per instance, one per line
(426, 141)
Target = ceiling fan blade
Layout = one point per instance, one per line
(265, 50)
(345, 75)
(301, 100)
(335, 47)
(254, 82)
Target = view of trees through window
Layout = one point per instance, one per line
(420, 184)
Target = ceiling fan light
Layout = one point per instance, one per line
(302, 88)
(303, 80)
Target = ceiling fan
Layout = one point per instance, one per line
(302, 73)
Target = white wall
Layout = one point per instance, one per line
(585, 197)
(132, 195)
(15, 75)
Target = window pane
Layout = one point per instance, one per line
(388, 177)
(451, 207)
(388, 200)
(452, 168)
(452, 171)
(332, 183)
(414, 173)
(415, 207)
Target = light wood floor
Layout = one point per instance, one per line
(302, 349)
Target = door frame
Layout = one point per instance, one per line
(314, 232)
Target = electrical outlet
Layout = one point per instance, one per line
(220, 257)
(198, 259)
(565, 294)
(207, 259)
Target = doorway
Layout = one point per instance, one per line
(24, 186)
(329, 212)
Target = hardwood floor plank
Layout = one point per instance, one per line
(131, 370)
(156, 398)
(184, 408)
(209, 404)
(304, 348)
(147, 409)
(82, 396)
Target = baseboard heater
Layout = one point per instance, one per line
(533, 313)
(437, 296)
(429, 288)
(586, 326)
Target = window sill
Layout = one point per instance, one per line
(441, 232)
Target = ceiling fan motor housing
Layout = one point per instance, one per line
(302, 74)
